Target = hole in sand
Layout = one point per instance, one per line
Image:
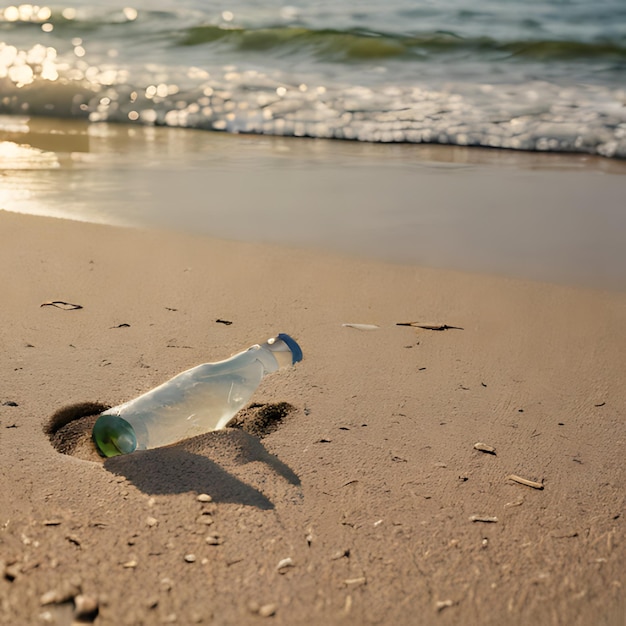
(69, 429)
(261, 419)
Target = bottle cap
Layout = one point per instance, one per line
(292, 344)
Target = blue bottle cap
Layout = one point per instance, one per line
(296, 351)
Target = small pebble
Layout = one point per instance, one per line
(355, 581)
(151, 521)
(214, 540)
(11, 572)
(86, 608)
(130, 564)
(267, 610)
(340, 554)
(284, 565)
(50, 597)
(190, 558)
(64, 593)
(204, 497)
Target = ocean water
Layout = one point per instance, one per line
(535, 75)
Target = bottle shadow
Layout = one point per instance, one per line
(209, 463)
(198, 465)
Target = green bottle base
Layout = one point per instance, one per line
(113, 436)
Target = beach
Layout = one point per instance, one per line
(429, 198)
(369, 503)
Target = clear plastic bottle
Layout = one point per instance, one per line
(196, 401)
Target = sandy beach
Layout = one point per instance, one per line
(371, 487)
(430, 198)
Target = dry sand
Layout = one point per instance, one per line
(368, 486)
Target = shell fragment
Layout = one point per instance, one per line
(483, 447)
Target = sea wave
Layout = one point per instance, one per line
(106, 82)
(355, 44)
(328, 44)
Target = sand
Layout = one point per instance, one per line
(367, 486)
(548, 217)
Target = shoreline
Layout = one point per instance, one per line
(370, 486)
(554, 218)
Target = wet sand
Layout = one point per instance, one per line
(371, 485)
(547, 217)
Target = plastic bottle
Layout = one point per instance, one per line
(196, 401)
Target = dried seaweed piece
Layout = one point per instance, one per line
(60, 304)
(429, 326)
(225, 322)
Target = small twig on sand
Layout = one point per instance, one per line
(525, 481)
(483, 518)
